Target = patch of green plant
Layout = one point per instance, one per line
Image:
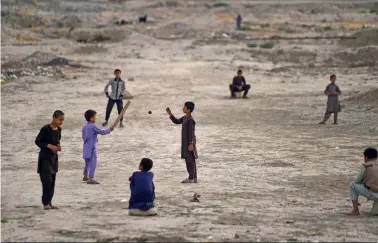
(265, 25)
(218, 5)
(252, 45)
(268, 45)
(4, 221)
(245, 27)
(327, 28)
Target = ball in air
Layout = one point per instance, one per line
(149, 112)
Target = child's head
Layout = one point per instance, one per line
(370, 153)
(90, 116)
(117, 73)
(58, 118)
(188, 107)
(332, 78)
(145, 164)
(240, 72)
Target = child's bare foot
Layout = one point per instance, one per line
(85, 178)
(47, 207)
(92, 181)
(353, 213)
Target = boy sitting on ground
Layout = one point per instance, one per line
(142, 190)
(366, 183)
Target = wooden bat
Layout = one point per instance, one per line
(121, 114)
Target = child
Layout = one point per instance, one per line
(366, 182)
(188, 140)
(142, 190)
(48, 140)
(239, 84)
(118, 89)
(89, 135)
(333, 105)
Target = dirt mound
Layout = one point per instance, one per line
(33, 60)
(368, 99)
(364, 56)
(363, 38)
(69, 22)
(98, 35)
(17, 20)
(175, 31)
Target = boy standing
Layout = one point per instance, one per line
(366, 182)
(333, 105)
(89, 135)
(116, 95)
(48, 140)
(142, 190)
(239, 84)
(188, 140)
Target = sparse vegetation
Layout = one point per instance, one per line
(245, 28)
(252, 45)
(327, 28)
(219, 5)
(268, 45)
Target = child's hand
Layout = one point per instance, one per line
(59, 148)
(53, 148)
(111, 128)
(190, 147)
(130, 179)
(169, 111)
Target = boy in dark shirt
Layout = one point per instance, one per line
(48, 140)
(188, 140)
(239, 84)
(142, 190)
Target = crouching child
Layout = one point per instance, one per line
(142, 190)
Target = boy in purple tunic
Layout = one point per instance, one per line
(142, 190)
(89, 135)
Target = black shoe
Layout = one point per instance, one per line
(105, 123)
(335, 123)
(322, 122)
(244, 97)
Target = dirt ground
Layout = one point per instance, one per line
(267, 170)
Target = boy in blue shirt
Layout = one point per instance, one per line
(142, 190)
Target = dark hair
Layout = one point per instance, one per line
(333, 76)
(190, 105)
(89, 114)
(146, 164)
(58, 113)
(117, 70)
(240, 71)
(371, 153)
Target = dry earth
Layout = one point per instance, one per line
(267, 171)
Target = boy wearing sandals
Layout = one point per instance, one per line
(188, 140)
(89, 135)
(142, 190)
(48, 140)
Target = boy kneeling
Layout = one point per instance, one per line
(142, 190)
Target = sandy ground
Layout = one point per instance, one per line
(267, 171)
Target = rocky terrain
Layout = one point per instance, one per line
(267, 170)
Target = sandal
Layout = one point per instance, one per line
(188, 181)
(91, 181)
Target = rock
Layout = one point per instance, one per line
(59, 61)
(311, 65)
(130, 79)
(237, 236)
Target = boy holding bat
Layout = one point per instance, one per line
(115, 97)
(89, 135)
(188, 140)
(48, 140)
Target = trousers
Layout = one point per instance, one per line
(110, 106)
(48, 186)
(327, 115)
(235, 88)
(356, 189)
(191, 166)
(90, 165)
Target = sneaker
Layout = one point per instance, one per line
(335, 123)
(105, 123)
(92, 181)
(188, 181)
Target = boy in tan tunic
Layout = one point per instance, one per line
(188, 140)
(366, 182)
(333, 104)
